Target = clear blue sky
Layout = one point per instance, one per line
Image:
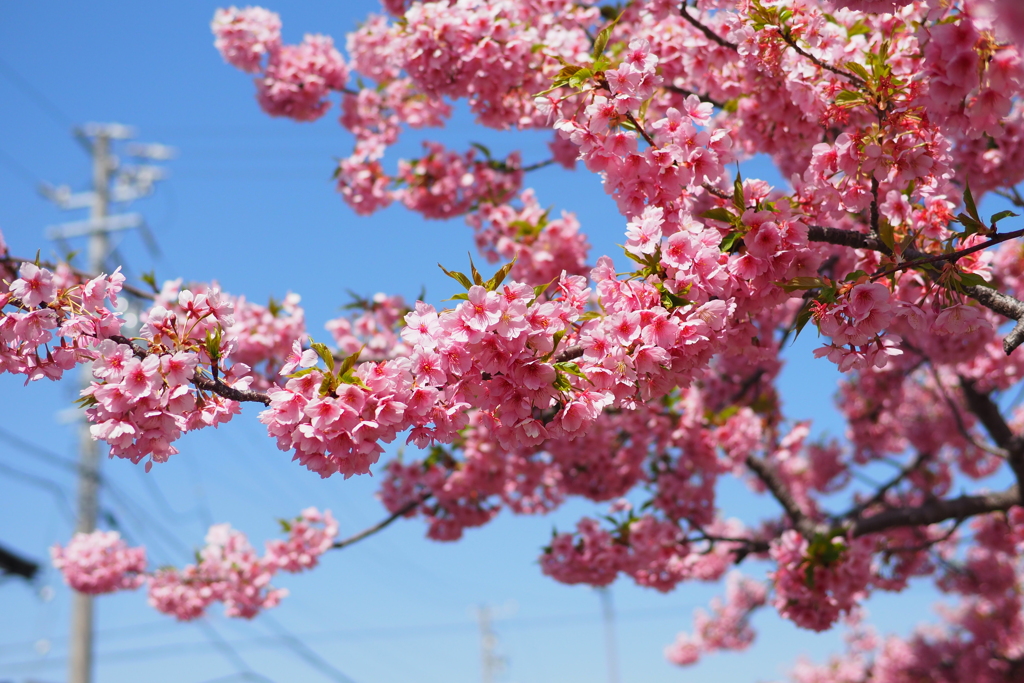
(250, 203)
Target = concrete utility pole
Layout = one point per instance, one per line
(608, 613)
(490, 662)
(131, 183)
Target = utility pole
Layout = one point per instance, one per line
(608, 613)
(129, 184)
(490, 662)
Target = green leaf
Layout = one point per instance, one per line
(150, 279)
(555, 340)
(802, 318)
(799, 283)
(477, 277)
(578, 79)
(561, 383)
(350, 361)
(86, 401)
(731, 242)
(854, 276)
(858, 29)
(974, 280)
(303, 372)
(720, 214)
(971, 225)
(325, 353)
(589, 315)
(670, 301)
(483, 150)
(500, 276)
(461, 296)
(972, 210)
(858, 69)
(1001, 215)
(885, 233)
(737, 193)
(286, 526)
(540, 289)
(457, 276)
(213, 340)
(572, 369)
(848, 98)
(601, 42)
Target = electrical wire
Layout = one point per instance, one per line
(41, 100)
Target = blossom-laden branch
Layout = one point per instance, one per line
(994, 300)
(13, 262)
(639, 398)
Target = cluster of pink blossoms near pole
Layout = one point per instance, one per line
(559, 376)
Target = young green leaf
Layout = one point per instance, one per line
(972, 209)
(457, 276)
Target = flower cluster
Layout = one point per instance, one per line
(52, 305)
(816, 582)
(142, 399)
(227, 569)
(100, 562)
(726, 628)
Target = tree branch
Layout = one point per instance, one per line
(214, 386)
(787, 37)
(988, 413)
(708, 33)
(366, 533)
(952, 256)
(937, 511)
(125, 287)
(1003, 304)
(770, 478)
(886, 487)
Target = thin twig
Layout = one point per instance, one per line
(365, 533)
(955, 410)
(640, 129)
(784, 33)
(778, 489)
(952, 256)
(708, 33)
(879, 495)
(686, 93)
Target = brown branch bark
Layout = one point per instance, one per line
(937, 511)
(988, 413)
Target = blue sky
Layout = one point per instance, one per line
(249, 203)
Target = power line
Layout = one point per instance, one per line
(305, 652)
(18, 169)
(47, 485)
(41, 100)
(228, 651)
